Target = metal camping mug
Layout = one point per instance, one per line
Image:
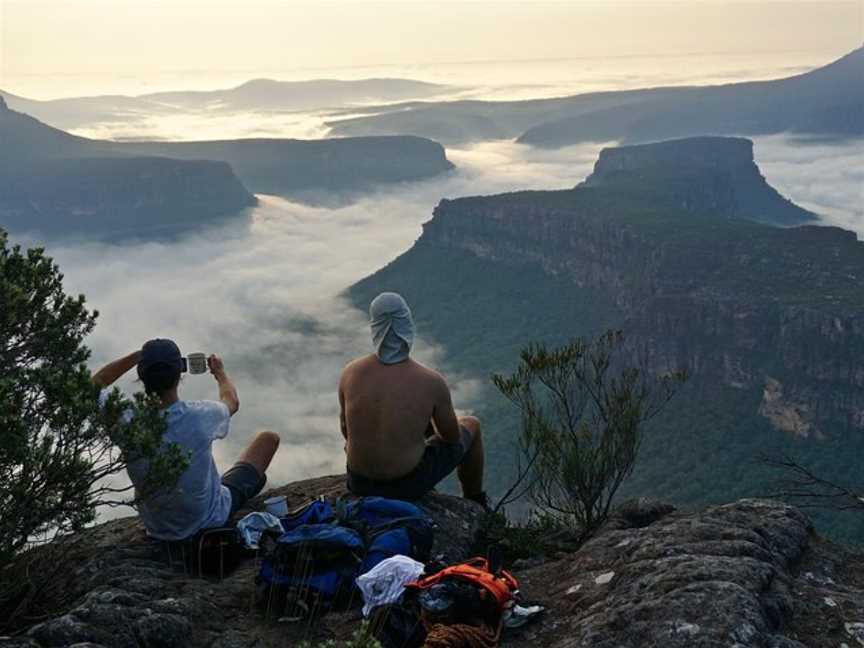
(197, 363)
(277, 505)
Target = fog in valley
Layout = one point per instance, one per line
(264, 291)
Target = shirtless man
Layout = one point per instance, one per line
(402, 436)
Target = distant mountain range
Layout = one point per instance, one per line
(826, 101)
(59, 183)
(662, 242)
(255, 95)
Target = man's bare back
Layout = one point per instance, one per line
(386, 412)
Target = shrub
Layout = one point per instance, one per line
(583, 409)
(362, 638)
(59, 447)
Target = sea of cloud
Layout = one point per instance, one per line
(265, 291)
(824, 176)
(484, 80)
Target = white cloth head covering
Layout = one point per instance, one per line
(392, 327)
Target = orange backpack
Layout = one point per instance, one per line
(502, 587)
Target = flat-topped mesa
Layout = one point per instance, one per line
(704, 153)
(710, 176)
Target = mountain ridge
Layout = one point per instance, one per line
(252, 95)
(32, 154)
(801, 103)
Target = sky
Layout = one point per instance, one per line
(134, 37)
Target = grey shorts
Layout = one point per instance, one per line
(439, 460)
(245, 482)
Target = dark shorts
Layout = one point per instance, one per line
(439, 460)
(245, 482)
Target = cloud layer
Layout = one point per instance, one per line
(264, 291)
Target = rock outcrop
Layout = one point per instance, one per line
(704, 176)
(116, 197)
(121, 590)
(749, 574)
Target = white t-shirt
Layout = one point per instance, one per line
(198, 500)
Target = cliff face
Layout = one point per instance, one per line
(59, 185)
(702, 175)
(769, 321)
(289, 166)
(739, 304)
(110, 197)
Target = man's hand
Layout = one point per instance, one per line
(216, 366)
(227, 391)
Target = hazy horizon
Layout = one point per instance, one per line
(132, 46)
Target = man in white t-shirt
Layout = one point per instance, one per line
(200, 499)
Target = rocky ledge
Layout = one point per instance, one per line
(748, 574)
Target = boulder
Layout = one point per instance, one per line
(731, 576)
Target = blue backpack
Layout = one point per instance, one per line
(318, 511)
(389, 528)
(323, 550)
(314, 560)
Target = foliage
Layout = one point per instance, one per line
(362, 638)
(583, 408)
(804, 488)
(59, 448)
(537, 537)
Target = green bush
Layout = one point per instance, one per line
(583, 406)
(362, 638)
(59, 447)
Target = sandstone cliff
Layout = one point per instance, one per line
(118, 196)
(737, 303)
(704, 176)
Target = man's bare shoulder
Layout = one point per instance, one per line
(357, 365)
(431, 376)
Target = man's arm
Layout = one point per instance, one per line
(227, 391)
(444, 416)
(109, 374)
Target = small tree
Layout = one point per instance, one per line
(583, 408)
(58, 446)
